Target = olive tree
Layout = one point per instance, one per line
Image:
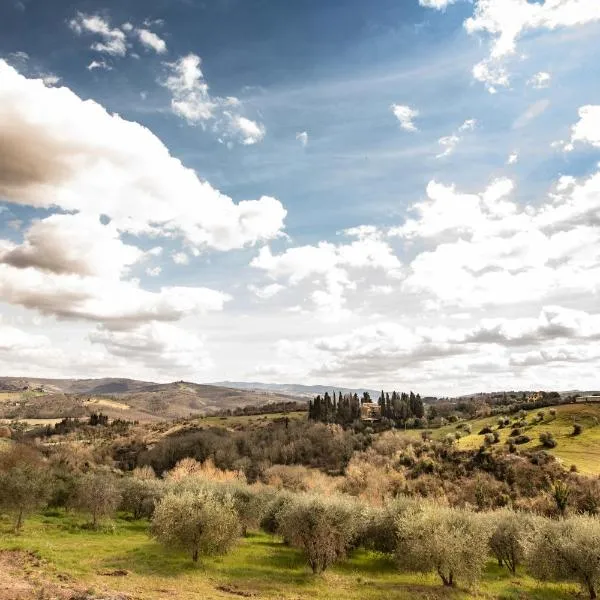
(511, 533)
(139, 496)
(323, 528)
(568, 550)
(25, 484)
(451, 542)
(200, 523)
(98, 495)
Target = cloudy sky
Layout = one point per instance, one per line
(400, 193)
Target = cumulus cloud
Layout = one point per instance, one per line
(505, 21)
(587, 129)
(490, 250)
(192, 100)
(267, 291)
(330, 269)
(406, 116)
(513, 158)
(56, 150)
(181, 258)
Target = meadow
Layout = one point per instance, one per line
(121, 558)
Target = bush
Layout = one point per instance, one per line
(379, 532)
(200, 523)
(323, 528)
(577, 428)
(567, 550)
(521, 439)
(547, 440)
(451, 542)
(485, 431)
(512, 531)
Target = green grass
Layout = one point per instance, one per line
(583, 450)
(260, 565)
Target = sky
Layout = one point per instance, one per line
(401, 194)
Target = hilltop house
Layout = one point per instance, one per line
(370, 411)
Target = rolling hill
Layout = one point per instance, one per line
(37, 398)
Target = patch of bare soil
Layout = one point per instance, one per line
(24, 576)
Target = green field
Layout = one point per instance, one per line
(583, 450)
(261, 566)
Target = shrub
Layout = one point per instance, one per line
(577, 428)
(547, 440)
(200, 523)
(552, 412)
(485, 431)
(380, 532)
(467, 428)
(521, 439)
(515, 432)
(98, 495)
(451, 542)
(271, 519)
(511, 533)
(561, 493)
(567, 550)
(323, 528)
(24, 482)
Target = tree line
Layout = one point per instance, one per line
(398, 408)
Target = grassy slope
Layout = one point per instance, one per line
(260, 565)
(582, 450)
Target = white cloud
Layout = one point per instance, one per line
(191, 100)
(99, 64)
(302, 137)
(114, 41)
(493, 251)
(330, 270)
(76, 244)
(513, 158)
(449, 143)
(406, 116)
(51, 79)
(152, 41)
(505, 21)
(540, 80)
(57, 150)
(181, 258)
(587, 129)
(437, 4)
(267, 291)
(153, 271)
(157, 346)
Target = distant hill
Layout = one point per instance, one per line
(295, 389)
(31, 398)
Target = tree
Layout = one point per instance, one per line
(139, 496)
(97, 494)
(451, 542)
(511, 533)
(324, 528)
(568, 550)
(25, 484)
(199, 523)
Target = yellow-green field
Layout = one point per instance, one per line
(99, 403)
(582, 450)
(261, 566)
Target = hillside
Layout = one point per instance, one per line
(27, 398)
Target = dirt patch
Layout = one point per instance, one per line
(229, 589)
(115, 573)
(24, 576)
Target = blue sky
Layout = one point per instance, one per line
(293, 295)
